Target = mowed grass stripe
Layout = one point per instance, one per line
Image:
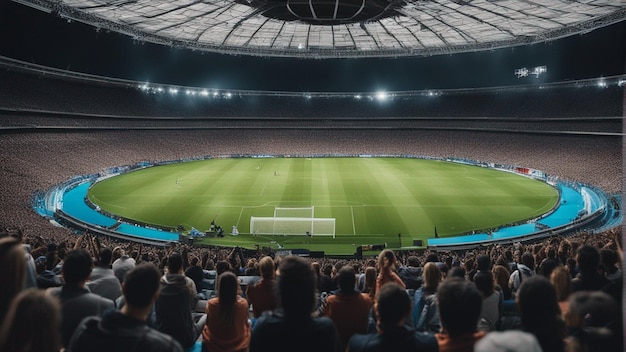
(384, 196)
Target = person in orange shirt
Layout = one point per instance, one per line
(227, 328)
(460, 304)
(263, 295)
(348, 308)
(387, 266)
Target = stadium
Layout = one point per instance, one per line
(325, 129)
(512, 128)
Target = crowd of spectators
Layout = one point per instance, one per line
(455, 300)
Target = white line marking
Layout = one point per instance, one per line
(353, 225)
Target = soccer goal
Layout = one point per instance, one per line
(293, 222)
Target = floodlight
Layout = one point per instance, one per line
(173, 91)
(204, 93)
(521, 72)
(381, 96)
(358, 96)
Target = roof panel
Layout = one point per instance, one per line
(416, 27)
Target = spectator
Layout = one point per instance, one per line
(525, 270)
(292, 325)
(175, 304)
(594, 322)
(550, 262)
(459, 272)
(540, 313)
(610, 264)
(501, 276)
(12, 272)
(589, 277)
(227, 327)
(126, 329)
(123, 264)
(223, 266)
(387, 265)
(252, 268)
(325, 279)
(369, 263)
(459, 304)
(103, 281)
(392, 308)
(369, 285)
(32, 323)
(195, 273)
(492, 301)
(263, 295)
(411, 274)
(561, 281)
(426, 295)
(347, 308)
(77, 302)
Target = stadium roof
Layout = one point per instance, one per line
(341, 28)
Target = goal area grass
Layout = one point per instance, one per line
(377, 200)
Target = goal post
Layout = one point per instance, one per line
(295, 225)
(303, 212)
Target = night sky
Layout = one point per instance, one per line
(37, 37)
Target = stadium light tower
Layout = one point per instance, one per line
(381, 96)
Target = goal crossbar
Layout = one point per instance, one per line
(292, 226)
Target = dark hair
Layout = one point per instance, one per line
(227, 289)
(106, 254)
(460, 304)
(588, 258)
(484, 283)
(432, 257)
(595, 319)
(483, 262)
(223, 266)
(141, 284)
(346, 279)
(457, 271)
(194, 261)
(77, 266)
(413, 261)
(174, 263)
(393, 305)
(529, 260)
(540, 312)
(296, 286)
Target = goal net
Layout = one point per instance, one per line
(292, 222)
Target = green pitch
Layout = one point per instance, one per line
(372, 199)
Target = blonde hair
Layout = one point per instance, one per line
(266, 268)
(432, 276)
